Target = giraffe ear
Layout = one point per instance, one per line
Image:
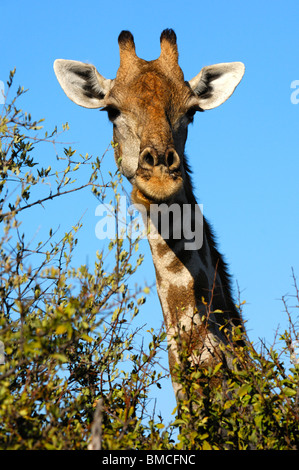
(82, 83)
(215, 83)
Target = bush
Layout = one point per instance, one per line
(252, 406)
(76, 374)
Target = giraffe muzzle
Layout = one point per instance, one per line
(158, 177)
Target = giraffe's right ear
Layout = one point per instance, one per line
(82, 83)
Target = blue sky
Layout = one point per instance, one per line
(244, 154)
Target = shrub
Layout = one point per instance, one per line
(75, 374)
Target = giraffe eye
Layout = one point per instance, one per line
(113, 112)
(190, 113)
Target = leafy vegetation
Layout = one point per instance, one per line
(74, 373)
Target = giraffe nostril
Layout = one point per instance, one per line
(148, 159)
(172, 160)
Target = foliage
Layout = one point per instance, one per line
(254, 405)
(76, 374)
(66, 330)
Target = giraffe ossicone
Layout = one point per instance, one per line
(151, 106)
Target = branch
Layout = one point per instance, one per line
(41, 201)
(96, 428)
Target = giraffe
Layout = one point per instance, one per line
(151, 106)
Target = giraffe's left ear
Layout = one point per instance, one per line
(215, 83)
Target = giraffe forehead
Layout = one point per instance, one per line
(151, 88)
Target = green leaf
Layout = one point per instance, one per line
(60, 357)
(61, 329)
(206, 446)
(87, 338)
(244, 389)
(289, 392)
(160, 426)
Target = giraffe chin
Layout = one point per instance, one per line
(139, 198)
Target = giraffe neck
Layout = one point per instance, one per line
(192, 284)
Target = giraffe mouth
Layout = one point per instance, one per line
(140, 198)
(156, 188)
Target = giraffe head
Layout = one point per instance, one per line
(150, 105)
